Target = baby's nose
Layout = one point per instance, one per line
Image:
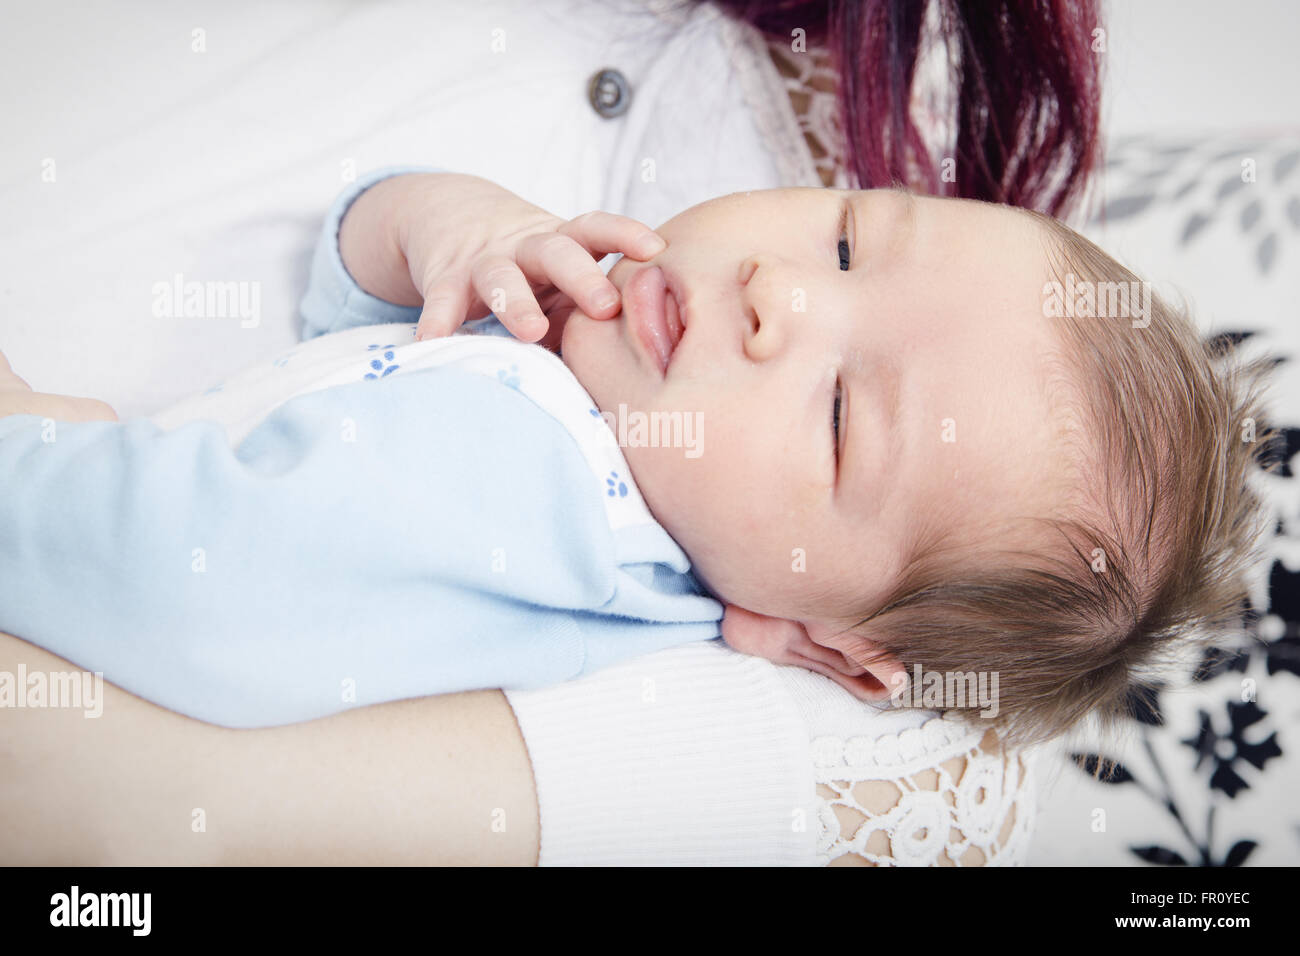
(766, 309)
(747, 269)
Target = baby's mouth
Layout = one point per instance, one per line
(654, 313)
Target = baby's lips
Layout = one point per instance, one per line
(650, 309)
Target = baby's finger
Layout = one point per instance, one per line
(500, 283)
(562, 262)
(445, 304)
(601, 233)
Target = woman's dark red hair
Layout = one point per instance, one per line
(1026, 79)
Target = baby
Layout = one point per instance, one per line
(944, 436)
(933, 437)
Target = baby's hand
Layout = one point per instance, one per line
(470, 247)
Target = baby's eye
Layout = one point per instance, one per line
(835, 422)
(846, 253)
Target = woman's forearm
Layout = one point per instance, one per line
(60, 408)
(17, 398)
(438, 780)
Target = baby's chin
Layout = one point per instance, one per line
(570, 320)
(591, 349)
(575, 334)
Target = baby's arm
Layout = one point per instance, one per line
(188, 571)
(442, 246)
(334, 300)
(338, 556)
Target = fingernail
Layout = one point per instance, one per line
(650, 244)
(605, 300)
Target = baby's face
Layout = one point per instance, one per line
(929, 328)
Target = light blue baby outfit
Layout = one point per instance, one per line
(411, 530)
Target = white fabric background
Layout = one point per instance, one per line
(220, 165)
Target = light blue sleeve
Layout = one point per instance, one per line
(421, 534)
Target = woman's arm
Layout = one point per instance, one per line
(437, 780)
(17, 398)
(432, 781)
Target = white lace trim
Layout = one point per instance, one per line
(765, 90)
(815, 105)
(796, 112)
(985, 804)
(768, 97)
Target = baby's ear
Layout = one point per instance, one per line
(790, 642)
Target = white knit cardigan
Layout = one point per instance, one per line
(699, 755)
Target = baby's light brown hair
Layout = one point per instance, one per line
(1147, 572)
